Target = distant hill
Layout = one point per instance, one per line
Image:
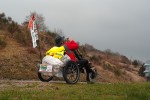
(18, 59)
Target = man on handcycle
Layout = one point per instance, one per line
(70, 47)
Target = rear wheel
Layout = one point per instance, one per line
(44, 78)
(71, 73)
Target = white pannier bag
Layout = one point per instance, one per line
(49, 60)
(65, 59)
(46, 69)
(51, 66)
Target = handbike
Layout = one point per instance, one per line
(70, 72)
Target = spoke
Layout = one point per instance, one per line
(71, 76)
(72, 72)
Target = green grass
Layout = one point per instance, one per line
(61, 91)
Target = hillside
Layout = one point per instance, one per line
(113, 67)
(16, 62)
(19, 62)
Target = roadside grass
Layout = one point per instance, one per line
(61, 91)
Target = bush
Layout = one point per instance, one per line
(2, 43)
(125, 60)
(52, 34)
(137, 63)
(141, 71)
(108, 66)
(23, 38)
(117, 71)
(96, 59)
(13, 27)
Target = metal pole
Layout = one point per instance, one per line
(40, 50)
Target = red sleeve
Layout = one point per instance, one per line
(72, 45)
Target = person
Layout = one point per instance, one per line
(70, 46)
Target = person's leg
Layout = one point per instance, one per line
(84, 63)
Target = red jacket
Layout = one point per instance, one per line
(70, 46)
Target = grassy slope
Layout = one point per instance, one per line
(16, 62)
(59, 91)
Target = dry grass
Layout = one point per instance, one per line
(2, 43)
(16, 62)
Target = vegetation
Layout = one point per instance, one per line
(137, 63)
(13, 27)
(4, 21)
(96, 59)
(59, 91)
(2, 43)
(40, 21)
(18, 58)
(141, 71)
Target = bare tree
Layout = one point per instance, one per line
(59, 32)
(39, 19)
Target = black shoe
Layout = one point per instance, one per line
(93, 75)
(87, 78)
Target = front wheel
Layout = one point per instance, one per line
(71, 73)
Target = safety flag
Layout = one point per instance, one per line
(33, 30)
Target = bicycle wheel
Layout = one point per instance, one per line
(71, 73)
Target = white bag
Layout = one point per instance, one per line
(46, 69)
(57, 71)
(56, 66)
(49, 60)
(65, 59)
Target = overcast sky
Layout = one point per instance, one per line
(120, 25)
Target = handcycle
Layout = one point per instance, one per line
(70, 72)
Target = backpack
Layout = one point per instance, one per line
(56, 52)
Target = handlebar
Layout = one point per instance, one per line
(78, 55)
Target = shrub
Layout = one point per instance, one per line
(107, 66)
(110, 67)
(82, 51)
(2, 43)
(141, 71)
(117, 71)
(125, 60)
(89, 47)
(96, 59)
(23, 38)
(52, 34)
(13, 27)
(135, 63)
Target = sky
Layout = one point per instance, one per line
(122, 26)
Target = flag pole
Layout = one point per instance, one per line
(38, 41)
(34, 34)
(39, 45)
